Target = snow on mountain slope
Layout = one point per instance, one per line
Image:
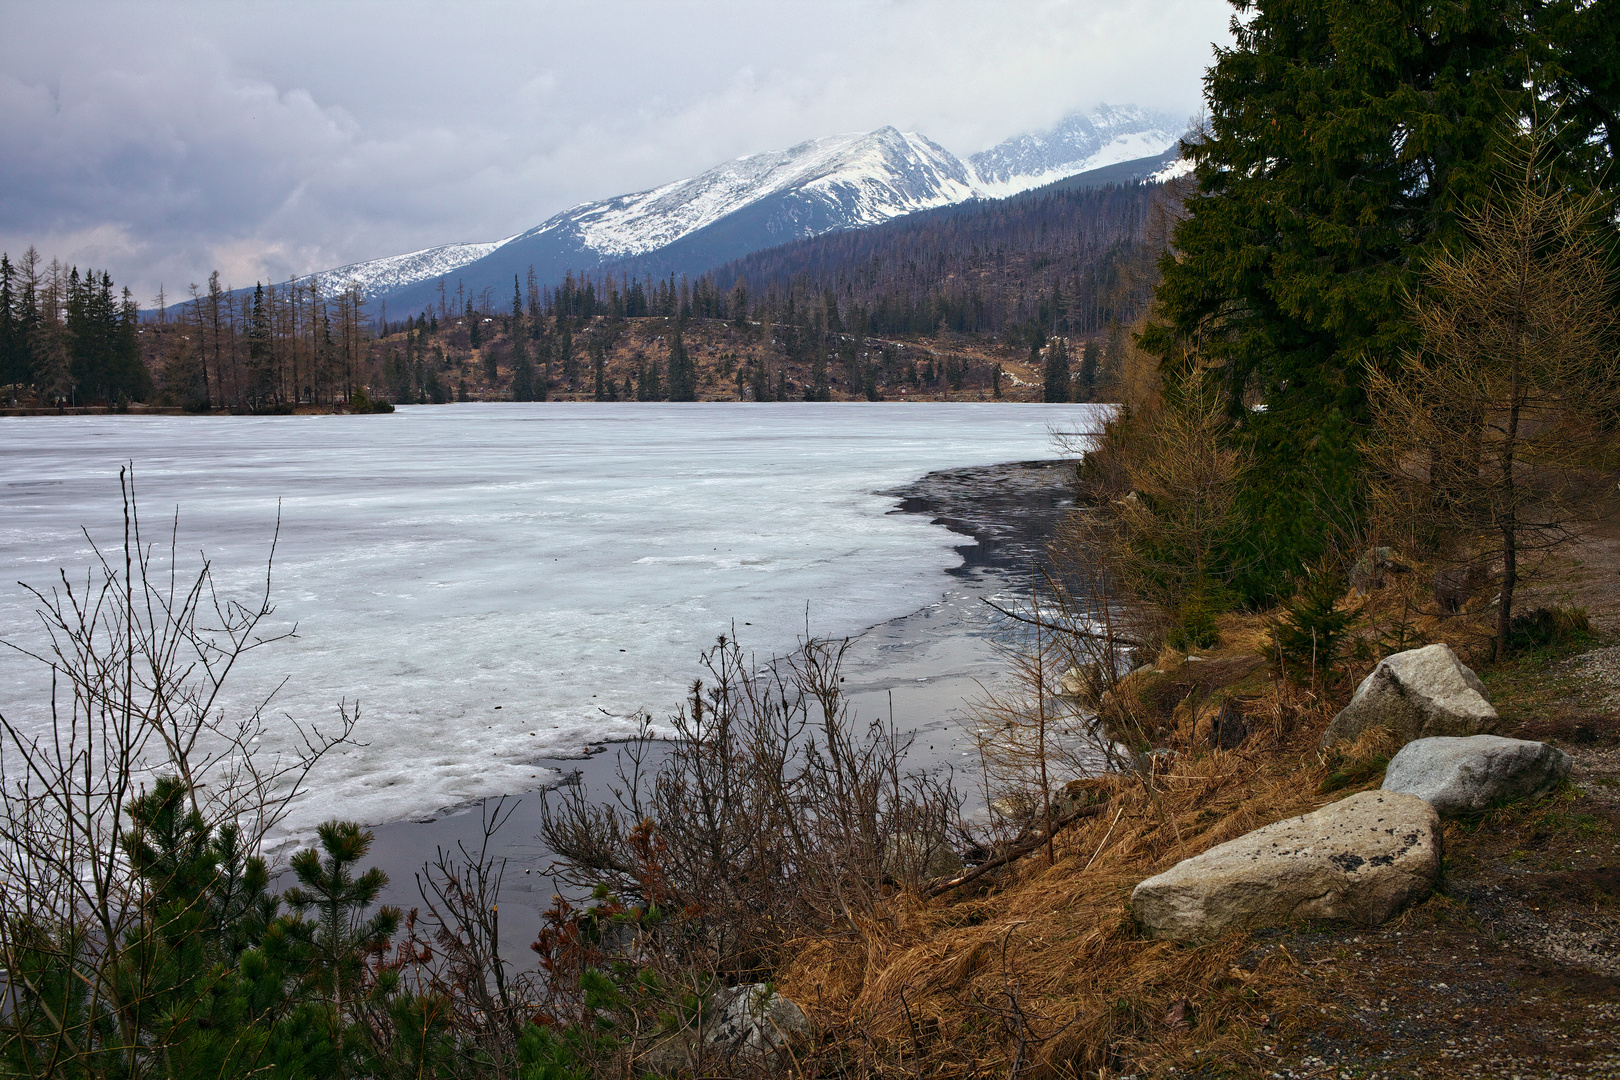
(379, 277)
(870, 176)
(1171, 171)
(840, 182)
(1109, 135)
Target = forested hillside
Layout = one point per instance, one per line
(958, 301)
(1067, 261)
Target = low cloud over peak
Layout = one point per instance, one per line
(162, 142)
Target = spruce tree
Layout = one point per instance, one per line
(260, 386)
(682, 372)
(1055, 378)
(1086, 378)
(818, 389)
(1343, 141)
(10, 370)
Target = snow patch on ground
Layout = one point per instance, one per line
(1177, 168)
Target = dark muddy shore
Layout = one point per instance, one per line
(922, 669)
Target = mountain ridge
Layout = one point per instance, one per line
(846, 181)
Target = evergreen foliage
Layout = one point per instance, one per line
(1085, 388)
(682, 372)
(1055, 373)
(1343, 141)
(1057, 259)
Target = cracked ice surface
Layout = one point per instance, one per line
(566, 562)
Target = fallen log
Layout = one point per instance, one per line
(1112, 639)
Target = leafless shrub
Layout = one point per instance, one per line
(139, 657)
(772, 812)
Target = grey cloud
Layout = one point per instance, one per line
(164, 140)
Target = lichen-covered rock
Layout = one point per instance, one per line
(1361, 859)
(1416, 694)
(753, 1025)
(1466, 775)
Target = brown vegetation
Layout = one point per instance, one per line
(1497, 437)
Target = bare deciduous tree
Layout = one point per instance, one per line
(771, 810)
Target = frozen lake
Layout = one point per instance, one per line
(566, 563)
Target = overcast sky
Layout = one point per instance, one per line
(265, 139)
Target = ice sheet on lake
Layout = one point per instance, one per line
(566, 562)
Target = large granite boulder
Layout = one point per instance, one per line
(1466, 775)
(753, 1025)
(1362, 859)
(1415, 695)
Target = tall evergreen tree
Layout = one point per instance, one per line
(14, 366)
(1055, 378)
(818, 389)
(649, 386)
(1086, 378)
(524, 382)
(25, 319)
(1343, 141)
(682, 372)
(260, 378)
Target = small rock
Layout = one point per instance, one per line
(1368, 573)
(928, 855)
(1080, 793)
(1081, 685)
(1361, 859)
(753, 1024)
(1455, 586)
(1466, 775)
(1415, 695)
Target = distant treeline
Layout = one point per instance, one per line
(68, 335)
(1063, 263)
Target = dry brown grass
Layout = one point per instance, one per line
(1045, 972)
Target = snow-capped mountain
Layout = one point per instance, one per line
(1080, 143)
(379, 277)
(761, 200)
(862, 179)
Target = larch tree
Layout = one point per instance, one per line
(1497, 436)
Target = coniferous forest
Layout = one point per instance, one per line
(955, 301)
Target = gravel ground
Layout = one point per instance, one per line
(1512, 970)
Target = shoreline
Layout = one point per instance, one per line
(919, 668)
